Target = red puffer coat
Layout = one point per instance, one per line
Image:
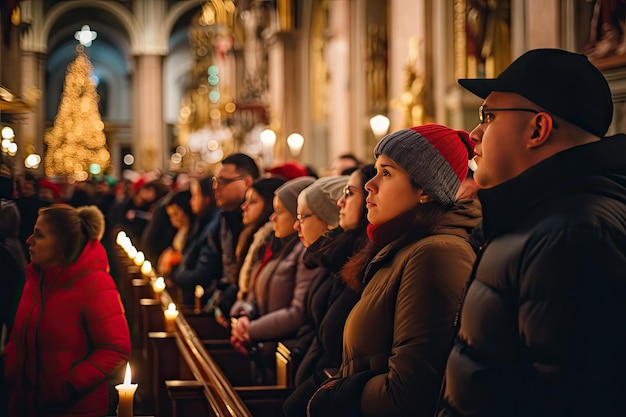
(70, 334)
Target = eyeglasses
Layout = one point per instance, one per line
(350, 190)
(302, 217)
(484, 113)
(222, 182)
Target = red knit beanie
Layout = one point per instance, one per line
(56, 190)
(434, 156)
(288, 171)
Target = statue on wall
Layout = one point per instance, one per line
(488, 37)
(607, 34)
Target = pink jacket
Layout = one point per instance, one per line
(70, 335)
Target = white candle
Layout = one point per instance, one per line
(170, 317)
(131, 252)
(146, 267)
(139, 258)
(198, 292)
(126, 393)
(158, 286)
(121, 237)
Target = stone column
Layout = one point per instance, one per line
(32, 62)
(148, 126)
(32, 125)
(543, 24)
(285, 87)
(339, 87)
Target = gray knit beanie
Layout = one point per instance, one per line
(289, 191)
(322, 197)
(435, 157)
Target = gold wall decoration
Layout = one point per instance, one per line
(318, 66)
(376, 68)
(285, 15)
(412, 99)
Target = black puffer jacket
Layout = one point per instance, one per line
(543, 326)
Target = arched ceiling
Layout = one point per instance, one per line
(111, 37)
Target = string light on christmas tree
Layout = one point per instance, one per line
(77, 141)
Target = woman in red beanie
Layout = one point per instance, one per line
(70, 332)
(413, 271)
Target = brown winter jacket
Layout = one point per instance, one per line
(397, 337)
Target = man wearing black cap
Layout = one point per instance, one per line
(542, 329)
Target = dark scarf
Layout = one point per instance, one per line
(383, 234)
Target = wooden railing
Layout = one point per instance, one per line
(193, 370)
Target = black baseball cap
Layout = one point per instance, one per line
(563, 83)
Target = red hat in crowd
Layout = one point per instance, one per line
(435, 157)
(56, 190)
(288, 171)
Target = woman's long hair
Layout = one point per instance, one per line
(351, 241)
(265, 187)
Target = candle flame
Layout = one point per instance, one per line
(127, 376)
(171, 307)
(159, 284)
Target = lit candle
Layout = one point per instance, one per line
(198, 292)
(131, 252)
(158, 286)
(170, 317)
(125, 243)
(146, 268)
(126, 392)
(139, 258)
(121, 237)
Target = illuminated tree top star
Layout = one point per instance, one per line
(85, 35)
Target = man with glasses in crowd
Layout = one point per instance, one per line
(230, 183)
(543, 325)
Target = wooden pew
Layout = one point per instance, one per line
(261, 400)
(188, 399)
(180, 363)
(180, 378)
(186, 372)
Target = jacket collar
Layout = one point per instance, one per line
(575, 169)
(92, 258)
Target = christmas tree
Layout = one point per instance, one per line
(76, 142)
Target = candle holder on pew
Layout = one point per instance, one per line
(197, 302)
(158, 286)
(170, 314)
(139, 258)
